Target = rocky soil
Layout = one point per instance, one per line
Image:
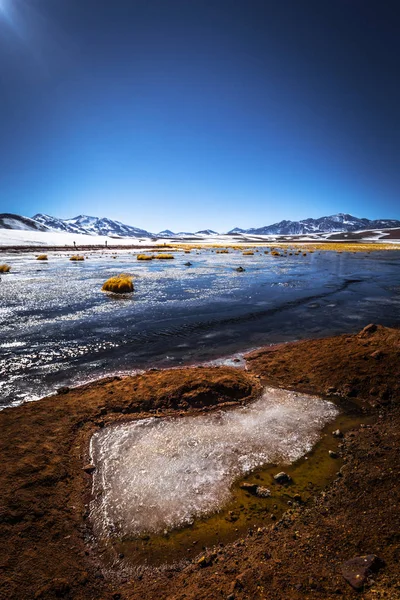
(46, 549)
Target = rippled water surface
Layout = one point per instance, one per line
(58, 328)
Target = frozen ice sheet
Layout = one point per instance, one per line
(158, 474)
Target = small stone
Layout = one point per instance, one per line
(204, 561)
(188, 264)
(282, 478)
(337, 433)
(356, 570)
(249, 487)
(89, 469)
(255, 489)
(371, 328)
(63, 390)
(262, 492)
(240, 270)
(333, 454)
(297, 498)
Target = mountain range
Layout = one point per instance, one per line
(84, 224)
(340, 222)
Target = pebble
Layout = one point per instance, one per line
(89, 469)
(282, 478)
(337, 433)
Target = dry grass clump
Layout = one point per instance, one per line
(77, 257)
(144, 257)
(5, 268)
(42, 257)
(223, 251)
(120, 284)
(248, 253)
(164, 256)
(275, 253)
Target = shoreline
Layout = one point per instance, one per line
(343, 245)
(44, 490)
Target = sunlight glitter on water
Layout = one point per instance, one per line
(154, 475)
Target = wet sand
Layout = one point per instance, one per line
(47, 548)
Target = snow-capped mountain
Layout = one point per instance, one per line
(166, 233)
(236, 230)
(91, 226)
(55, 224)
(11, 221)
(340, 222)
(87, 225)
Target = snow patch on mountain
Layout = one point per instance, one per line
(333, 223)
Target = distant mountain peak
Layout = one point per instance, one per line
(339, 222)
(90, 225)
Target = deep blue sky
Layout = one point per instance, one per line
(189, 114)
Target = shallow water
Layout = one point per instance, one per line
(58, 328)
(155, 475)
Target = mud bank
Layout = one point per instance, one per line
(47, 549)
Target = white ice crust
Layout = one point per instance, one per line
(154, 475)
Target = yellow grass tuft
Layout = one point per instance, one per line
(77, 257)
(164, 256)
(120, 284)
(223, 251)
(275, 253)
(5, 268)
(248, 253)
(42, 257)
(145, 257)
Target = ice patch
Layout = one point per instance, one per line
(155, 474)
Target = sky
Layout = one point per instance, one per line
(194, 114)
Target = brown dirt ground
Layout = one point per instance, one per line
(44, 536)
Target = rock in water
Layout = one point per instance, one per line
(337, 433)
(357, 569)
(282, 478)
(262, 492)
(249, 487)
(254, 488)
